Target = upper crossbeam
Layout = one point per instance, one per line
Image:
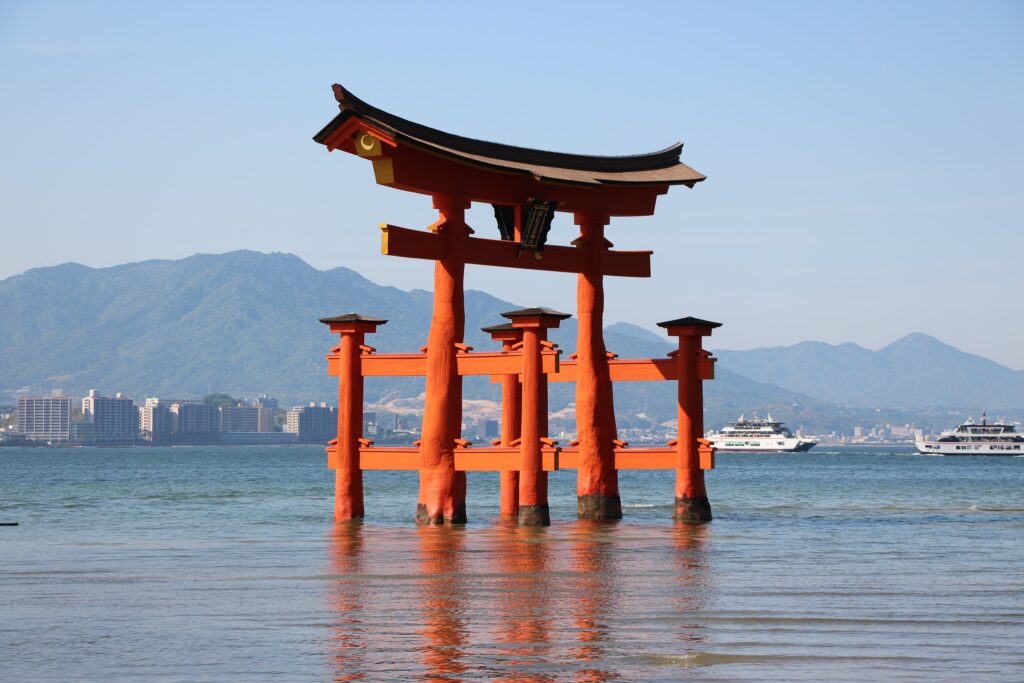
(396, 241)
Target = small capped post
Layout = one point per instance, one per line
(348, 480)
(511, 415)
(691, 497)
(533, 480)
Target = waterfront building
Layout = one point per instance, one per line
(155, 420)
(194, 422)
(313, 423)
(112, 419)
(45, 418)
(243, 418)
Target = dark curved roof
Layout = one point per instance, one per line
(662, 167)
(352, 318)
(536, 312)
(688, 320)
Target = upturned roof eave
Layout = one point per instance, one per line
(664, 165)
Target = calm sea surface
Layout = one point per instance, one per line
(222, 564)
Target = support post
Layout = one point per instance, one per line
(442, 493)
(597, 482)
(691, 496)
(533, 480)
(511, 415)
(348, 478)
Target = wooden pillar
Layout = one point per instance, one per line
(691, 497)
(511, 412)
(597, 483)
(442, 494)
(533, 480)
(348, 477)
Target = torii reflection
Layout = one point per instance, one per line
(347, 601)
(692, 578)
(526, 592)
(577, 601)
(443, 607)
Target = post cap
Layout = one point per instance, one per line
(353, 318)
(536, 312)
(689, 321)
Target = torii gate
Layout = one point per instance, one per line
(525, 187)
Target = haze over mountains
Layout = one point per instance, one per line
(246, 322)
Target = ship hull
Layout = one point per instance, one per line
(968, 448)
(762, 445)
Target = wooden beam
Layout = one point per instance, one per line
(506, 459)
(637, 370)
(628, 458)
(389, 458)
(396, 241)
(494, 363)
(466, 459)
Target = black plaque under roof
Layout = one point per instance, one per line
(688, 320)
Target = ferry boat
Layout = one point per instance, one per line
(761, 435)
(971, 438)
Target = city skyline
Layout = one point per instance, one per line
(859, 186)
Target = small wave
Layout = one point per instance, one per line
(701, 659)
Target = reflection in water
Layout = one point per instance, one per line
(691, 577)
(525, 592)
(581, 601)
(442, 602)
(346, 601)
(592, 594)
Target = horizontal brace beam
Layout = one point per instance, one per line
(634, 370)
(396, 241)
(506, 459)
(474, 363)
(496, 459)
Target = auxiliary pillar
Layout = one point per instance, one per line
(691, 499)
(348, 477)
(511, 416)
(533, 479)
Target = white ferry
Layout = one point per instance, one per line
(758, 434)
(975, 439)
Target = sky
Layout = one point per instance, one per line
(864, 159)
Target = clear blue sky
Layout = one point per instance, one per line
(865, 160)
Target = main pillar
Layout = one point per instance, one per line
(442, 494)
(348, 477)
(533, 480)
(691, 500)
(511, 415)
(597, 480)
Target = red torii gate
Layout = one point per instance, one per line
(525, 187)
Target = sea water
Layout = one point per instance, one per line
(223, 564)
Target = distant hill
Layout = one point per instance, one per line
(246, 322)
(915, 372)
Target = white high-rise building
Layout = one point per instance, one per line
(45, 418)
(112, 419)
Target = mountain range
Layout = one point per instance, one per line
(246, 322)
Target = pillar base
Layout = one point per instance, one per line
(692, 509)
(458, 517)
(534, 515)
(599, 507)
